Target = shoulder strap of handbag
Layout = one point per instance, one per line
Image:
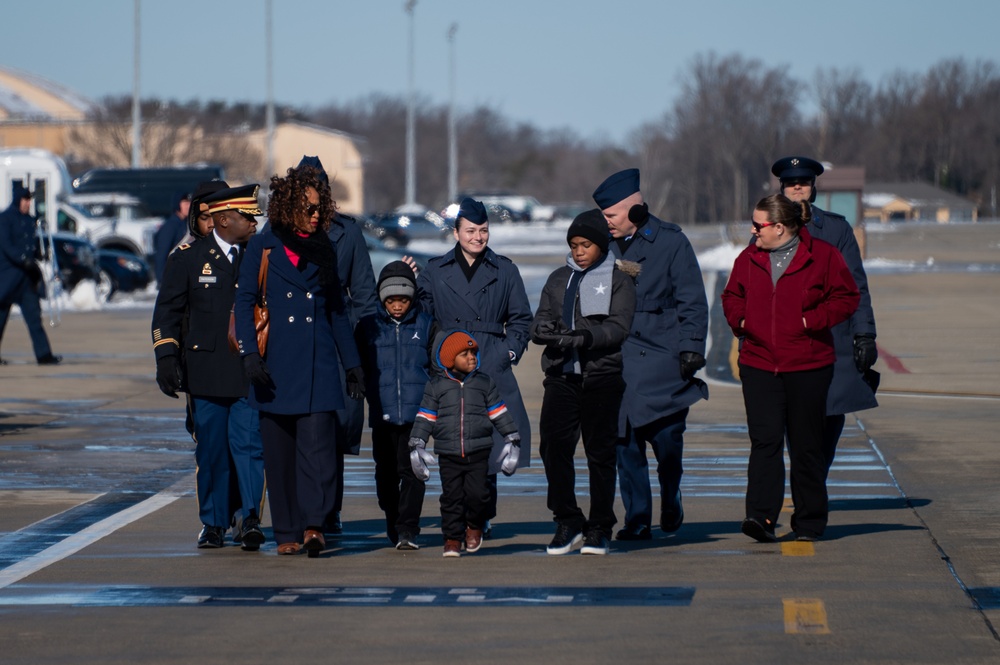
(262, 277)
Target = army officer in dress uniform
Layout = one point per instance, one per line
(199, 284)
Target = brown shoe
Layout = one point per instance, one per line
(452, 547)
(289, 548)
(313, 543)
(473, 539)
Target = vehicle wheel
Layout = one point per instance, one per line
(106, 286)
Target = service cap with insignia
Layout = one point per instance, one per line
(787, 168)
(241, 199)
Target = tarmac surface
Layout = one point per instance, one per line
(98, 519)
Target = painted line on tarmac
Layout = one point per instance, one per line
(86, 536)
(420, 597)
(805, 616)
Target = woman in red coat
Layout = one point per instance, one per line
(785, 293)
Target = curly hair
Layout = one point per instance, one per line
(288, 197)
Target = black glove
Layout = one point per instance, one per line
(34, 272)
(356, 383)
(576, 339)
(168, 375)
(256, 370)
(691, 362)
(865, 352)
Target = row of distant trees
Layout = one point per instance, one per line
(706, 159)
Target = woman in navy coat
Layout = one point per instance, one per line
(296, 384)
(479, 291)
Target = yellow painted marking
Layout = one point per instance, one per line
(734, 358)
(805, 616)
(796, 548)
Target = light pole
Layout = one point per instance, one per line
(452, 142)
(136, 113)
(269, 113)
(411, 175)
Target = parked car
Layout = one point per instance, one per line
(126, 234)
(121, 272)
(397, 229)
(76, 259)
(155, 187)
(381, 255)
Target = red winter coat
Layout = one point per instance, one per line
(817, 286)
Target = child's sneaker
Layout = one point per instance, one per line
(473, 539)
(567, 539)
(452, 547)
(595, 543)
(407, 541)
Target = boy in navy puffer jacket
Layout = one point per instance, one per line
(460, 408)
(395, 350)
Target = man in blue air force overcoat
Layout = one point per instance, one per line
(854, 381)
(474, 289)
(664, 349)
(20, 276)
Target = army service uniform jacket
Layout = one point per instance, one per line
(199, 284)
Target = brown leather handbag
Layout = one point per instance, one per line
(261, 317)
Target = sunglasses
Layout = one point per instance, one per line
(799, 182)
(757, 226)
(312, 209)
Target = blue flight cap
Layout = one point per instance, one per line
(316, 164)
(616, 188)
(787, 168)
(472, 210)
(21, 192)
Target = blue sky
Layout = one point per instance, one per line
(598, 67)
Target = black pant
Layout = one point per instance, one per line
(571, 406)
(400, 493)
(792, 402)
(300, 460)
(465, 493)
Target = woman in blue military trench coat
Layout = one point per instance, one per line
(296, 382)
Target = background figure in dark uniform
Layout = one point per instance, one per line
(170, 234)
(854, 381)
(21, 280)
(199, 286)
(357, 281)
(664, 349)
(476, 290)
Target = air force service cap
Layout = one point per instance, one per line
(788, 168)
(241, 199)
(472, 210)
(617, 187)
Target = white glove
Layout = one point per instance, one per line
(511, 454)
(420, 459)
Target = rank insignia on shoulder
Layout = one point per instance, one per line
(206, 269)
(184, 246)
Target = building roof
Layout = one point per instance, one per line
(25, 96)
(916, 194)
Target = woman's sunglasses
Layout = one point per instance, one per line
(312, 209)
(757, 226)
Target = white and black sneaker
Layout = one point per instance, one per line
(595, 543)
(407, 541)
(567, 539)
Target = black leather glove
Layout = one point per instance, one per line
(34, 272)
(576, 339)
(865, 352)
(168, 375)
(256, 370)
(691, 362)
(355, 383)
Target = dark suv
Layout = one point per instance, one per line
(157, 188)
